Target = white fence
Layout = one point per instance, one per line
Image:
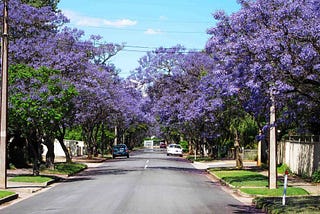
(301, 154)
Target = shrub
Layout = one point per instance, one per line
(184, 145)
(316, 176)
(282, 168)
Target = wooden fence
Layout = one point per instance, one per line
(300, 153)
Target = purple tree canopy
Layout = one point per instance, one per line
(268, 47)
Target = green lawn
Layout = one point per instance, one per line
(254, 183)
(4, 193)
(299, 204)
(30, 179)
(241, 178)
(291, 191)
(66, 168)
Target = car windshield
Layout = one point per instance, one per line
(175, 146)
(119, 147)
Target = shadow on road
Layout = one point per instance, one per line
(245, 209)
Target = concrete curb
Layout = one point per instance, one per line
(9, 198)
(236, 189)
(239, 192)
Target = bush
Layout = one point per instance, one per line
(184, 145)
(282, 168)
(316, 176)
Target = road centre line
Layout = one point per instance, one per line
(146, 165)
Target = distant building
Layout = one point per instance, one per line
(75, 148)
(148, 144)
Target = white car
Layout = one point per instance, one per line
(174, 149)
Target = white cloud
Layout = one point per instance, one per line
(163, 18)
(120, 23)
(87, 21)
(151, 31)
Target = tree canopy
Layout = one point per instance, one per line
(64, 80)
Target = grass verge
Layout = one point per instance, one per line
(254, 183)
(291, 191)
(30, 179)
(308, 204)
(242, 178)
(66, 168)
(4, 193)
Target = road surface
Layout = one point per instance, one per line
(147, 182)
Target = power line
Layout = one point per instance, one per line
(145, 49)
(150, 47)
(144, 30)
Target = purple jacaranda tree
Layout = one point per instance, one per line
(269, 47)
(30, 29)
(268, 55)
(38, 39)
(39, 101)
(172, 77)
(35, 40)
(155, 69)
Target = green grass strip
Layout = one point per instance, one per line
(67, 168)
(242, 178)
(309, 204)
(30, 179)
(4, 194)
(291, 191)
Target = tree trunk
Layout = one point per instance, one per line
(49, 142)
(65, 150)
(239, 162)
(35, 148)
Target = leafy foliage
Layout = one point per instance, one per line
(42, 3)
(316, 176)
(60, 81)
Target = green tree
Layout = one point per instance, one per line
(42, 3)
(40, 104)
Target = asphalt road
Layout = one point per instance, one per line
(147, 182)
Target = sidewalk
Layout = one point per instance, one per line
(295, 181)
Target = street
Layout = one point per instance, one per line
(147, 182)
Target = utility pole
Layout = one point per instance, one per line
(272, 145)
(259, 149)
(116, 136)
(4, 98)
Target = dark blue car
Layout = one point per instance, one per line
(120, 150)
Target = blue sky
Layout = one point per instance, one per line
(143, 25)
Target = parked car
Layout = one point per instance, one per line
(120, 150)
(163, 145)
(174, 149)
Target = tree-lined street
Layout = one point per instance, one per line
(255, 82)
(147, 182)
